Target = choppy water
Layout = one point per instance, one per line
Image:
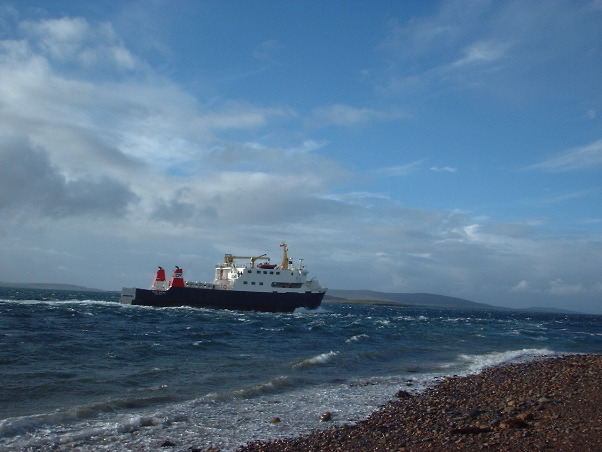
(79, 371)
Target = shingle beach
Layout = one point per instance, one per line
(552, 403)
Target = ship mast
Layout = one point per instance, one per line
(284, 264)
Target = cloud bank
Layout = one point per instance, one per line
(110, 167)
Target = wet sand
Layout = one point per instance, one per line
(551, 404)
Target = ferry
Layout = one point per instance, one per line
(249, 283)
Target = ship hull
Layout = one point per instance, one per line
(223, 299)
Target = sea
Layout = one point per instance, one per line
(81, 372)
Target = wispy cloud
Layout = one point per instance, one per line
(411, 168)
(483, 52)
(448, 169)
(347, 116)
(581, 158)
(400, 170)
(267, 50)
(502, 49)
(572, 195)
(357, 198)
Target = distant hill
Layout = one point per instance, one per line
(49, 286)
(422, 299)
(404, 299)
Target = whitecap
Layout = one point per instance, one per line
(317, 360)
(356, 338)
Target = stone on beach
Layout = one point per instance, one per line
(325, 417)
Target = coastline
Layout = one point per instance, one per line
(551, 403)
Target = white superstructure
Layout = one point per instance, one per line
(264, 277)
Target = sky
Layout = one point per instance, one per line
(449, 147)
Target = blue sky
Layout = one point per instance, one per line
(446, 147)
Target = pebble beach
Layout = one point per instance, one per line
(552, 403)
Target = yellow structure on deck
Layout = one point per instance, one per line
(229, 259)
(284, 263)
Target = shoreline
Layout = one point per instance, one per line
(550, 403)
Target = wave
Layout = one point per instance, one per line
(476, 363)
(271, 386)
(356, 338)
(61, 302)
(316, 360)
(268, 387)
(106, 434)
(26, 424)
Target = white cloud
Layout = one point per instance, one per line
(140, 146)
(59, 38)
(240, 115)
(522, 286)
(364, 199)
(309, 146)
(74, 40)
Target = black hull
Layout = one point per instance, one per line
(227, 299)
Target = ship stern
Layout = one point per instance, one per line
(128, 295)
